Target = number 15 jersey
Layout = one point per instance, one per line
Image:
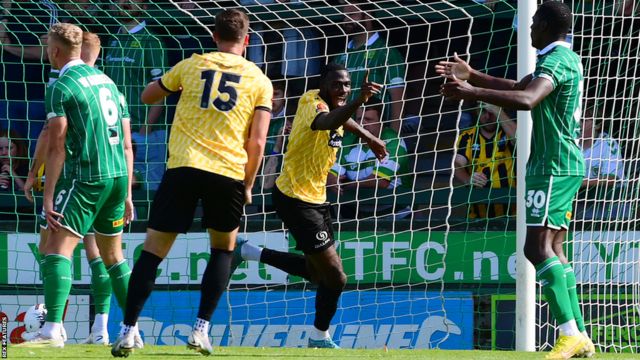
(220, 93)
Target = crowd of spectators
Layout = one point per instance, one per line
(139, 48)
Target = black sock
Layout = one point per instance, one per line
(326, 306)
(143, 277)
(214, 282)
(294, 264)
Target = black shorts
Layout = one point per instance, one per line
(177, 197)
(310, 224)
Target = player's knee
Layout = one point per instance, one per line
(533, 252)
(336, 279)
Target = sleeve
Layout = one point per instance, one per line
(155, 60)
(390, 167)
(395, 69)
(610, 160)
(124, 108)
(265, 95)
(172, 80)
(463, 144)
(549, 70)
(55, 101)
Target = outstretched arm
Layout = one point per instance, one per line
(459, 69)
(526, 99)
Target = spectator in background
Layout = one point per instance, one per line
(23, 72)
(368, 50)
(13, 161)
(358, 168)
(604, 171)
(133, 58)
(484, 158)
(279, 128)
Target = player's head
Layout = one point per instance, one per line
(90, 48)
(12, 148)
(335, 85)
(64, 43)
(551, 22)
(357, 16)
(231, 28)
(369, 116)
(132, 8)
(279, 96)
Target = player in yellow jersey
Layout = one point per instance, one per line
(300, 192)
(215, 149)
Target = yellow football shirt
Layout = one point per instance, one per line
(220, 92)
(310, 153)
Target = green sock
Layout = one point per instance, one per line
(573, 296)
(57, 285)
(551, 274)
(100, 286)
(120, 274)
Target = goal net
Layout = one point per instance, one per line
(430, 260)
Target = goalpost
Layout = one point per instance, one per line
(422, 271)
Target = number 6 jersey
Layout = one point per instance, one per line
(94, 109)
(220, 92)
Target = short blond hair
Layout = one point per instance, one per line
(90, 40)
(69, 35)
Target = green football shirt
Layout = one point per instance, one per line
(556, 119)
(133, 59)
(357, 161)
(385, 65)
(94, 109)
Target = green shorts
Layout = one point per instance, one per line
(549, 200)
(98, 204)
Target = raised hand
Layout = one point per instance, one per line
(368, 89)
(456, 69)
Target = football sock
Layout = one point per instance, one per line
(326, 306)
(573, 296)
(250, 252)
(143, 277)
(294, 264)
(100, 322)
(57, 285)
(214, 282)
(554, 285)
(120, 274)
(100, 286)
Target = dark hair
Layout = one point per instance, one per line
(374, 103)
(331, 68)
(279, 84)
(557, 15)
(232, 25)
(22, 151)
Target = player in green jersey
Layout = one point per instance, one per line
(88, 134)
(555, 169)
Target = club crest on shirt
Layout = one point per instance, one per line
(335, 140)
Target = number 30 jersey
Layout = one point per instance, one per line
(94, 109)
(220, 93)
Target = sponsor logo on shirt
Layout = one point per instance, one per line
(321, 107)
(335, 140)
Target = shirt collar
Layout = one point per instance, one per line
(138, 27)
(553, 45)
(373, 38)
(70, 64)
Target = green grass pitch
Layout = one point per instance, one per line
(236, 353)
